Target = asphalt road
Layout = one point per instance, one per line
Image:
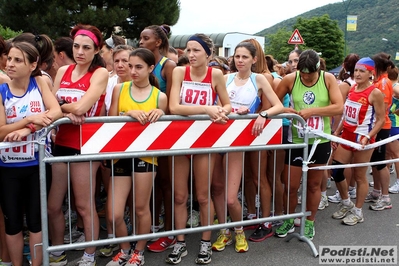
(379, 228)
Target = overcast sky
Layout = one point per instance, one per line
(244, 16)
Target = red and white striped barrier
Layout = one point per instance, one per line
(175, 135)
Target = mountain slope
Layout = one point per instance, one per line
(377, 19)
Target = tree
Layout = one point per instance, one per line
(324, 36)
(55, 18)
(319, 33)
(276, 44)
(7, 33)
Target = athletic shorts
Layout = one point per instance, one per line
(394, 131)
(125, 167)
(379, 152)
(320, 156)
(351, 136)
(65, 151)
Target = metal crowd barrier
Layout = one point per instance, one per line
(170, 152)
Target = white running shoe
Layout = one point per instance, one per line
(323, 202)
(336, 198)
(394, 189)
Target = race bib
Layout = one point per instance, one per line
(315, 122)
(196, 93)
(70, 95)
(19, 154)
(351, 112)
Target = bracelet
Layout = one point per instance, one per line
(368, 137)
(32, 128)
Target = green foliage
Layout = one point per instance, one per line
(7, 33)
(319, 33)
(377, 19)
(55, 18)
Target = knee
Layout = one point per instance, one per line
(180, 199)
(202, 199)
(53, 210)
(142, 211)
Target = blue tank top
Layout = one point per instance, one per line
(237, 94)
(158, 73)
(16, 108)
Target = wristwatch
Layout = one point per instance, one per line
(263, 114)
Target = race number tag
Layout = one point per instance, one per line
(351, 112)
(19, 154)
(315, 122)
(196, 93)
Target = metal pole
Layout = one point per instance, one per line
(346, 22)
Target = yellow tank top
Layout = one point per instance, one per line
(127, 102)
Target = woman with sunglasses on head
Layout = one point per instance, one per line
(314, 95)
(208, 83)
(80, 90)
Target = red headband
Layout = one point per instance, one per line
(88, 34)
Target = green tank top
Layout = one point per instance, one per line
(303, 97)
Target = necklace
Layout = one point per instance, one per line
(243, 78)
(142, 86)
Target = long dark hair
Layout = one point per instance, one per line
(98, 61)
(148, 57)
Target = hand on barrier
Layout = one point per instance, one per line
(242, 110)
(257, 128)
(306, 113)
(42, 119)
(139, 115)
(217, 114)
(76, 119)
(154, 115)
(17, 135)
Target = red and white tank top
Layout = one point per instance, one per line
(359, 114)
(68, 134)
(197, 93)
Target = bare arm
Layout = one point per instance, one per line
(276, 105)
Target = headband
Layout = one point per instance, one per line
(110, 42)
(164, 30)
(203, 44)
(88, 34)
(214, 63)
(365, 63)
(306, 70)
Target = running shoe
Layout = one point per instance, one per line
(371, 183)
(85, 262)
(381, 205)
(297, 222)
(336, 198)
(179, 251)
(81, 239)
(261, 233)
(250, 226)
(352, 193)
(58, 260)
(343, 210)
(193, 219)
(75, 235)
(108, 251)
(241, 242)
(323, 202)
(162, 244)
(394, 189)
(392, 169)
(205, 253)
(135, 260)
(328, 182)
(285, 229)
(353, 218)
(309, 229)
(371, 197)
(119, 259)
(222, 241)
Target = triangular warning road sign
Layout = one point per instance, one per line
(296, 38)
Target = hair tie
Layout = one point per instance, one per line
(37, 38)
(88, 34)
(164, 30)
(110, 42)
(202, 43)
